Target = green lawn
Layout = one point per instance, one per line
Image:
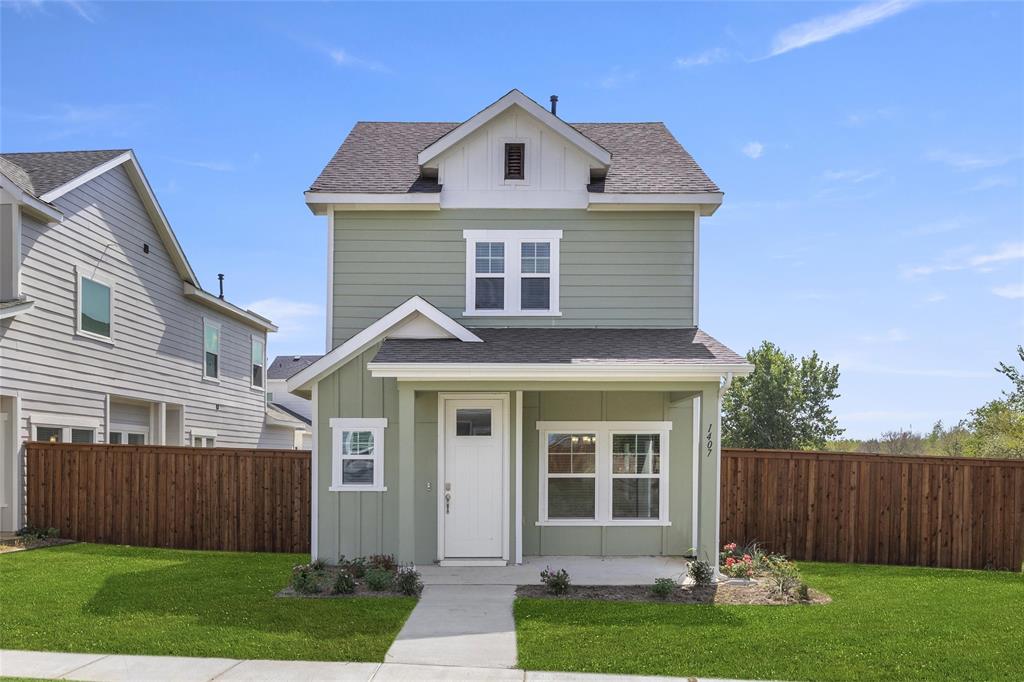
(885, 623)
(131, 600)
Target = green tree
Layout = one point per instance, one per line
(997, 427)
(783, 403)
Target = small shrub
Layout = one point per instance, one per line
(803, 592)
(663, 587)
(557, 582)
(318, 565)
(344, 583)
(385, 562)
(783, 578)
(379, 580)
(37, 533)
(700, 572)
(407, 581)
(304, 580)
(357, 566)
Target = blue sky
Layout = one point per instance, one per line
(872, 155)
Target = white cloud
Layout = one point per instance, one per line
(968, 162)
(753, 149)
(862, 118)
(825, 28)
(713, 56)
(1010, 290)
(342, 57)
(851, 175)
(981, 262)
(616, 77)
(85, 10)
(82, 9)
(296, 321)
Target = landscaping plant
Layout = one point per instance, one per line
(408, 582)
(344, 583)
(385, 562)
(305, 580)
(557, 582)
(663, 587)
(356, 567)
(379, 579)
(700, 572)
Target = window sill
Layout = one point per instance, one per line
(586, 523)
(356, 489)
(211, 380)
(82, 334)
(511, 313)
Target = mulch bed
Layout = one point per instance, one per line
(21, 544)
(326, 585)
(748, 592)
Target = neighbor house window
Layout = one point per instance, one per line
(604, 473)
(515, 161)
(512, 272)
(127, 435)
(64, 434)
(259, 360)
(95, 308)
(211, 349)
(201, 438)
(357, 454)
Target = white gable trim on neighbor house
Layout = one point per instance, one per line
(599, 156)
(414, 319)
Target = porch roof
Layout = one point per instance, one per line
(568, 346)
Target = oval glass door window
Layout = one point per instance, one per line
(472, 422)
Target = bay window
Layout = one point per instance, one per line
(603, 473)
(512, 272)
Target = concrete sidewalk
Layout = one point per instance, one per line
(110, 668)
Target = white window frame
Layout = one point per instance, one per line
(513, 241)
(98, 279)
(125, 429)
(339, 425)
(254, 339)
(207, 437)
(220, 345)
(604, 430)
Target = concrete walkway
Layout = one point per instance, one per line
(48, 665)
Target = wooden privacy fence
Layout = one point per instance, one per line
(157, 496)
(952, 512)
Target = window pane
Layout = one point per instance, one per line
(572, 453)
(136, 439)
(95, 307)
(535, 293)
(536, 257)
(490, 293)
(212, 339)
(49, 434)
(257, 352)
(635, 498)
(490, 257)
(212, 362)
(357, 443)
(357, 471)
(114, 438)
(257, 375)
(82, 435)
(634, 453)
(571, 498)
(473, 422)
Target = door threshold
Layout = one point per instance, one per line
(473, 562)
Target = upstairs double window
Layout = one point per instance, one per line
(512, 272)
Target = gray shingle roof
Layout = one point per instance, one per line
(284, 366)
(564, 346)
(380, 158)
(292, 413)
(40, 172)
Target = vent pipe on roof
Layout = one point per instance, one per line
(220, 280)
(554, 104)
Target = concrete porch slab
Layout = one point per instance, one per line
(583, 570)
(50, 665)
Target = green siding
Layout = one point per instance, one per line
(618, 269)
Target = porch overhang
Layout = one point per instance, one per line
(563, 372)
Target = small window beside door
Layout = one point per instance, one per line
(357, 454)
(473, 422)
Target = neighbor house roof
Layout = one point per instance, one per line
(381, 158)
(41, 172)
(292, 413)
(284, 366)
(565, 346)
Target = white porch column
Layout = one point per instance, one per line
(161, 424)
(406, 473)
(709, 471)
(519, 477)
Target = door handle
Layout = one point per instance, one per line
(447, 503)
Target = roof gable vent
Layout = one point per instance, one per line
(515, 160)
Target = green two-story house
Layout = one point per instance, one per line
(514, 361)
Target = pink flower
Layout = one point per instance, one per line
(746, 557)
(730, 547)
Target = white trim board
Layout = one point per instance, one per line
(618, 371)
(229, 309)
(440, 326)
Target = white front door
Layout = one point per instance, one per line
(473, 489)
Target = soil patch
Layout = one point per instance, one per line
(22, 544)
(749, 592)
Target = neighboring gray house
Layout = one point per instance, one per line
(514, 361)
(105, 333)
(279, 399)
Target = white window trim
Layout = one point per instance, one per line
(254, 339)
(339, 425)
(99, 279)
(65, 424)
(220, 346)
(513, 240)
(204, 434)
(125, 429)
(603, 470)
